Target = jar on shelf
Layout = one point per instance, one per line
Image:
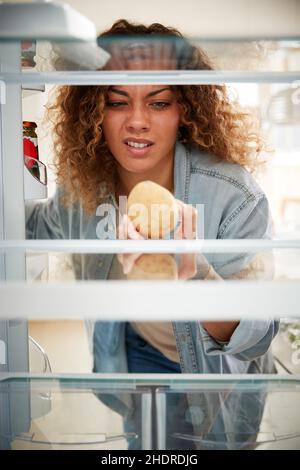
(30, 148)
(28, 52)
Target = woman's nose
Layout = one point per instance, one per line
(137, 119)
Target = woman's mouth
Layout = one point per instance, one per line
(138, 148)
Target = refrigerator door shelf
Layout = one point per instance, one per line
(30, 89)
(33, 187)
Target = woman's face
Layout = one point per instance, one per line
(140, 125)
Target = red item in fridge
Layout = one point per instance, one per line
(30, 150)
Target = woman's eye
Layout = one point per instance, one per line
(160, 104)
(116, 104)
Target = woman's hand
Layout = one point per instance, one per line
(186, 229)
(127, 231)
(187, 225)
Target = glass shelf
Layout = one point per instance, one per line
(113, 411)
(189, 77)
(230, 416)
(78, 415)
(139, 60)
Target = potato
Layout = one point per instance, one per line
(153, 210)
(154, 266)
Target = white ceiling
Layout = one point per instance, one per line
(206, 18)
(199, 17)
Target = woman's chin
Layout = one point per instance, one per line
(138, 167)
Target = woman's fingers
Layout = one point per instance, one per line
(122, 230)
(187, 228)
(187, 266)
(129, 261)
(131, 230)
(127, 231)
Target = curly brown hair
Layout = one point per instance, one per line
(210, 120)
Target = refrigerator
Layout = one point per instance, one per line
(48, 405)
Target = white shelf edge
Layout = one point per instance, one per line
(125, 378)
(134, 300)
(149, 246)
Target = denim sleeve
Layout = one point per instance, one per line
(251, 219)
(252, 338)
(43, 219)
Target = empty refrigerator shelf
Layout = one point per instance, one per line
(147, 411)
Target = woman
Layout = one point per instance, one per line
(196, 143)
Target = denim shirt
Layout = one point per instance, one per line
(234, 207)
